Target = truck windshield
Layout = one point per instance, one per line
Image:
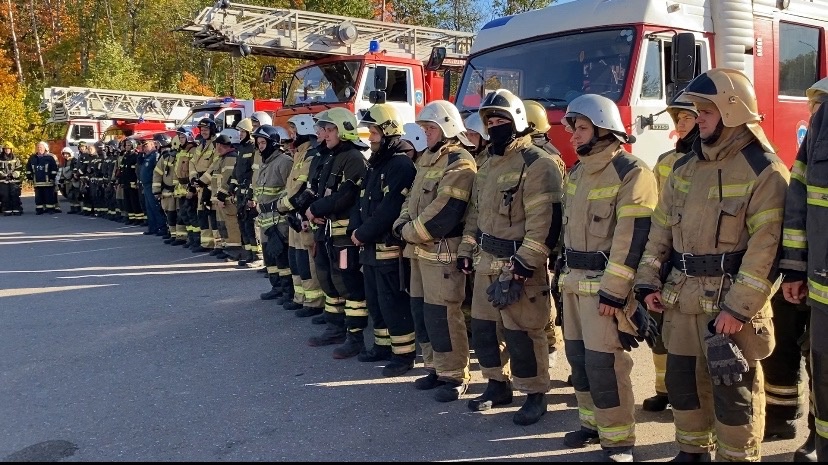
(328, 83)
(197, 114)
(551, 70)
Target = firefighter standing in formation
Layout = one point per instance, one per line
(202, 159)
(338, 182)
(163, 184)
(223, 203)
(308, 297)
(723, 252)
(804, 266)
(431, 223)
(128, 178)
(9, 181)
(180, 145)
(241, 179)
(509, 220)
(70, 177)
(387, 182)
(42, 170)
(258, 118)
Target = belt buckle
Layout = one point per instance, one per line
(683, 261)
(606, 259)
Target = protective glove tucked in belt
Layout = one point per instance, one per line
(302, 200)
(505, 290)
(724, 358)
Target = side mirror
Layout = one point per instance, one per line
(683, 59)
(268, 74)
(380, 78)
(447, 75)
(376, 96)
(435, 61)
(284, 92)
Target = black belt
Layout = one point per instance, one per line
(498, 247)
(593, 261)
(707, 265)
(268, 207)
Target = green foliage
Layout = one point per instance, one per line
(512, 7)
(112, 68)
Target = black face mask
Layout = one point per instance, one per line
(713, 138)
(685, 144)
(499, 137)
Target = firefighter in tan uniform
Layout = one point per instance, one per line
(223, 202)
(270, 181)
(240, 189)
(478, 137)
(202, 159)
(163, 180)
(719, 221)
(610, 196)
(258, 118)
(308, 297)
(182, 146)
(514, 219)
(431, 223)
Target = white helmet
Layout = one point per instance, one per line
(261, 117)
(304, 124)
(283, 134)
(232, 134)
(444, 114)
(601, 111)
(415, 135)
(504, 103)
(474, 123)
(819, 88)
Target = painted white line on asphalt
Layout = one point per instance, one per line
(44, 290)
(195, 256)
(151, 273)
(124, 267)
(361, 382)
(86, 251)
(12, 234)
(77, 235)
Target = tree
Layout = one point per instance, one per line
(15, 118)
(112, 68)
(189, 84)
(513, 7)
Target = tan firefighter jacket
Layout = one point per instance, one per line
(609, 198)
(270, 181)
(434, 209)
(203, 156)
(220, 174)
(296, 181)
(515, 199)
(664, 166)
(697, 215)
(163, 179)
(181, 171)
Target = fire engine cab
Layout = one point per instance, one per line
(640, 53)
(227, 112)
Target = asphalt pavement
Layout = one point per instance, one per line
(116, 347)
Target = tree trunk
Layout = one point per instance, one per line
(14, 42)
(37, 40)
(109, 19)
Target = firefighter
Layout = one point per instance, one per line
(42, 170)
(71, 180)
(178, 157)
(271, 179)
(610, 196)
(84, 159)
(258, 118)
(187, 230)
(163, 184)
(223, 203)
(339, 180)
(146, 170)
(719, 222)
(107, 189)
(387, 182)
(514, 220)
(416, 137)
(202, 159)
(96, 192)
(431, 223)
(308, 297)
(241, 179)
(120, 199)
(803, 258)
(9, 181)
(478, 137)
(128, 178)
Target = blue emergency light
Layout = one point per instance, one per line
(373, 46)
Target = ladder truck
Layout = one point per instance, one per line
(351, 62)
(91, 115)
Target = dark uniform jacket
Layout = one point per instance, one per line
(42, 170)
(340, 179)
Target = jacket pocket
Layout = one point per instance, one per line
(601, 219)
(731, 221)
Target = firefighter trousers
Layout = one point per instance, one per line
(207, 224)
(600, 370)
(133, 207)
(819, 371)
(275, 260)
(10, 197)
(179, 230)
(45, 198)
(730, 419)
(247, 229)
(344, 289)
(228, 225)
(512, 342)
(188, 214)
(389, 307)
(437, 294)
(785, 389)
(659, 357)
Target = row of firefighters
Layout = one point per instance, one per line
(712, 258)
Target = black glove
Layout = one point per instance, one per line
(627, 340)
(505, 290)
(724, 359)
(646, 325)
(393, 241)
(275, 243)
(303, 200)
(398, 231)
(294, 222)
(464, 264)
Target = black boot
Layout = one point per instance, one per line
(399, 365)
(305, 312)
(189, 242)
(287, 290)
(581, 438)
(178, 241)
(532, 410)
(215, 252)
(657, 403)
(246, 257)
(428, 382)
(275, 291)
(618, 454)
(293, 306)
(376, 354)
(450, 391)
(319, 319)
(807, 451)
(197, 248)
(496, 393)
(689, 457)
(334, 331)
(779, 429)
(354, 345)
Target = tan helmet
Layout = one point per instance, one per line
(7, 145)
(819, 91)
(343, 119)
(730, 90)
(444, 114)
(502, 102)
(675, 107)
(384, 116)
(245, 125)
(537, 117)
(474, 123)
(175, 143)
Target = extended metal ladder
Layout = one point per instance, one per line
(281, 32)
(68, 103)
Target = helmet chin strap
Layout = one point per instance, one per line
(586, 149)
(713, 138)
